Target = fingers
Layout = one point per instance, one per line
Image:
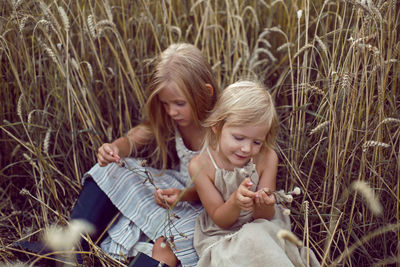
(244, 196)
(170, 199)
(166, 197)
(247, 183)
(244, 189)
(264, 197)
(159, 199)
(168, 191)
(246, 204)
(169, 195)
(106, 154)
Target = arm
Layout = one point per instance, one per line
(123, 146)
(264, 203)
(190, 194)
(224, 214)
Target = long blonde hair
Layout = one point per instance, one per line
(241, 103)
(186, 66)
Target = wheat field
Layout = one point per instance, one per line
(73, 73)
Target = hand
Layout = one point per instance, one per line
(244, 196)
(166, 196)
(265, 197)
(107, 153)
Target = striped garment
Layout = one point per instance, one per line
(134, 197)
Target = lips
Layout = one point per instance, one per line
(241, 157)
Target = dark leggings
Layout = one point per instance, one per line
(94, 206)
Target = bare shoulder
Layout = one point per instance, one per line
(200, 165)
(198, 162)
(140, 134)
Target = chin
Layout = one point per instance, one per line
(238, 162)
(182, 124)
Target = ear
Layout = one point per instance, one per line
(210, 88)
(214, 129)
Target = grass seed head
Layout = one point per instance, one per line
(299, 14)
(390, 120)
(369, 195)
(64, 18)
(19, 105)
(61, 239)
(289, 236)
(319, 127)
(296, 191)
(286, 212)
(91, 27)
(46, 142)
(373, 143)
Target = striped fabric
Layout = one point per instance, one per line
(133, 196)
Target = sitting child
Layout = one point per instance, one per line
(235, 177)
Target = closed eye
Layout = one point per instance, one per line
(180, 103)
(239, 138)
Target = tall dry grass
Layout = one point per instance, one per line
(72, 76)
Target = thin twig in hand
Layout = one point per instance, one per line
(170, 214)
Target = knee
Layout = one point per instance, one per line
(163, 252)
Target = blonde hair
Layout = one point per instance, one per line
(186, 66)
(241, 103)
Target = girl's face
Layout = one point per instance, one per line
(176, 105)
(238, 144)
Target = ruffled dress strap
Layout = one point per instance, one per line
(212, 159)
(184, 154)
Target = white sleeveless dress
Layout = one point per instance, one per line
(134, 198)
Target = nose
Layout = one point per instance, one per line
(246, 147)
(172, 111)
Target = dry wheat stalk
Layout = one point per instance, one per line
(64, 18)
(91, 27)
(105, 23)
(284, 47)
(346, 82)
(322, 45)
(22, 24)
(108, 10)
(49, 52)
(170, 214)
(373, 143)
(13, 265)
(19, 105)
(46, 142)
(390, 120)
(369, 196)
(17, 4)
(374, 10)
(319, 127)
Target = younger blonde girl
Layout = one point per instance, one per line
(235, 176)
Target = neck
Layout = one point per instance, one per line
(222, 161)
(192, 136)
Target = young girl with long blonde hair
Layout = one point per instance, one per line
(181, 95)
